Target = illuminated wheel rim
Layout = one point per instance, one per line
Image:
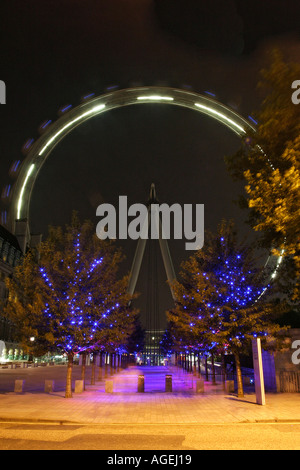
(39, 151)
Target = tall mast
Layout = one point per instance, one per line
(140, 251)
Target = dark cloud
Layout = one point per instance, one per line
(232, 27)
(211, 26)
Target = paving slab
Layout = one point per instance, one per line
(126, 406)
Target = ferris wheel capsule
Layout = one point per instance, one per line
(211, 94)
(26, 147)
(64, 109)
(186, 86)
(44, 126)
(112, 88)
(14, 169)
(6, 192)
(87, 97)
(3, 218)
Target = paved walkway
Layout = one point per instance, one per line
(125, 406)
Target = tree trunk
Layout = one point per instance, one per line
(239, 375)
(223, 371)
(100, 367)
(194, 365)
(83, 369)
(213, 369)
(68, 393)
(206, 368)
(106, 365)
(111, 364)
(93, 369)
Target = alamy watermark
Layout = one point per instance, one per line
(296, 94)
(2, 92)
(152, 222)
(296, 354)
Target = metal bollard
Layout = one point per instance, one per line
(141, 384)
(169, 387)
(49, 386)
(19, 386)
(229, 386)
(109, 386)
(200, 386)
(79, 386)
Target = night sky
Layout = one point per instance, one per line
(55, 52)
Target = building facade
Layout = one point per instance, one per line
(12, 249)
(10, 256)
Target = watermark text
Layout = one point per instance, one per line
(296, 94)
(2, 92)
(153, 221)
(296, 354)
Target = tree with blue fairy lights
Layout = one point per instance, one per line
(221, 298)
(76, 303)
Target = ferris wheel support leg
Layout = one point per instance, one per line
(136, 265)
(169, 267)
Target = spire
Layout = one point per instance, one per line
(152, 197)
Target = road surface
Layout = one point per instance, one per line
(32, 436)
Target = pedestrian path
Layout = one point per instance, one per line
(154, 380)
(126, 406)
